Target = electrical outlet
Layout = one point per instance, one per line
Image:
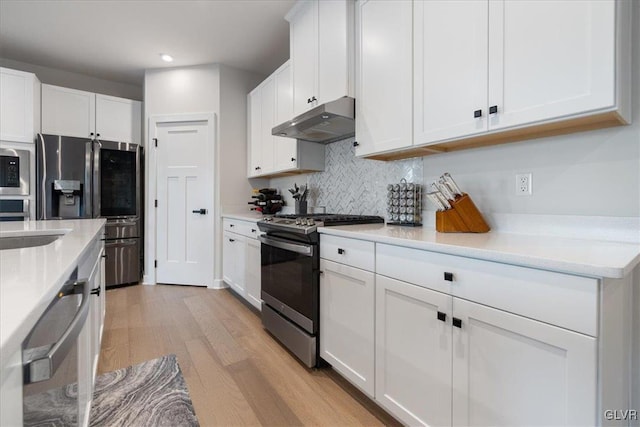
(523, 184)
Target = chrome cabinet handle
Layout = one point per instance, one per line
(41, 363)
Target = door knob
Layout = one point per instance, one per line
(200, 211)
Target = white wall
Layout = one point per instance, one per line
(54, 76)
(202, 89)
(235, 84)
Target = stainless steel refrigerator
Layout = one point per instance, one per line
(81, 178)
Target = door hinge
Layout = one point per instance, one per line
(155, 141)
(156, 203)
(155, 263)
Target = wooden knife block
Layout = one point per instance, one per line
(463, 217)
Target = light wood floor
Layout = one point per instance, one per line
(237, 374)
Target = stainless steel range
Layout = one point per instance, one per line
(291, 278)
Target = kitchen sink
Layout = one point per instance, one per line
(24, 239)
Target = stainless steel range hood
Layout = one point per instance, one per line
(325, 123)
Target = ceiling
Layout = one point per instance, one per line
(117, 40)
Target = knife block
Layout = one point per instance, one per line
(463, 217)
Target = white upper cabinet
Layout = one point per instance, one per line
(383, 75)
(482, 72)
(569, 70)
(450, 69)
(19, 105)
(118, 119)
(321, 37)
(267, 118)
(270, 104)
(81, 114)
(68, 112)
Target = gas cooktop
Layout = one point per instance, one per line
(306, 224)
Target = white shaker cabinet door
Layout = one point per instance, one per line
(68, 112)
(334, 49)
(347, 322)
(450, 63)
(509, 370)
(304, 56)
(253, 272)
(384, 70)
(285, 148)
(268, 116)
(233, 262)
(550, 59)
(254, 102)
(18, 104)
(413, 352)
(118, 119)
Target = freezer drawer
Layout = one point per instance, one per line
(122, 264)
(122, 228)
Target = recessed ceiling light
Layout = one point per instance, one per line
(166, 58)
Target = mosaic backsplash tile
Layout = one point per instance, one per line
(351, 185)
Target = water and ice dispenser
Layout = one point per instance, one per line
(67, 199)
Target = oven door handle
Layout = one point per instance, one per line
(41, 363)
(299, 248)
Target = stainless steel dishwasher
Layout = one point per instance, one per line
(50, 358)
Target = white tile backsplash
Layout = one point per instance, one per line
(351, 185)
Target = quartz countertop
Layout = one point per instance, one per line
(30, 277)
(567, 255)
(244, 216)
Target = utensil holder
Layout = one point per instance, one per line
(463, 217)
(301, 207)
(404, 203)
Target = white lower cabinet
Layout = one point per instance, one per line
(347, 331)
(241, 268)
(233, 262)
(509, 370)
(253, 269)
(442, 360)
(413, 352)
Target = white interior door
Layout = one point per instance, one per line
(185, 237)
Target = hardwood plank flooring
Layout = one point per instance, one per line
(237, 374)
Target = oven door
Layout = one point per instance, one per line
(290, 280)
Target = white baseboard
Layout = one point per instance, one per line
(148, 279)
(218, 284)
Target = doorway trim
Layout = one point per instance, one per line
(151, 176)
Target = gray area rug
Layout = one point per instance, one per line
(152, 393)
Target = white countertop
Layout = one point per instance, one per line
(30, 277)
(567, 255)
(244, 216)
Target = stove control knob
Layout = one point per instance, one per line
(310, 221)
(298, 221)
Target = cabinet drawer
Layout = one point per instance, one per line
(356, 253)
(244, 228)
(559, 299)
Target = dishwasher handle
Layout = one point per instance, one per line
(41, 363)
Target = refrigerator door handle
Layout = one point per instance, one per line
(87, 179)
(95, 168)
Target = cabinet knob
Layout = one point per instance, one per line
(257, 168)
(231, 225)
(293, 159)
(442, 316)
(457, 322)
(97, 134)
(448, 276)
(341, 251)
(313, 98)
(232, 240)
(477, 113)
(308, 100)
(493, 109)
(91, 134)
(356, 143)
